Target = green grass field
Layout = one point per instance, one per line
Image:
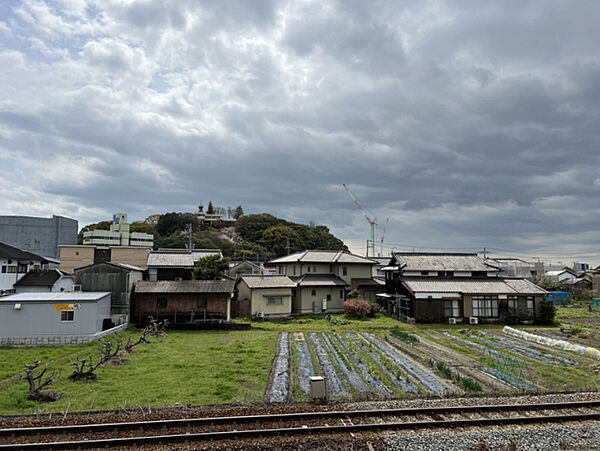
(187, 367)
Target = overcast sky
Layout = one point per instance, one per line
(467, 123)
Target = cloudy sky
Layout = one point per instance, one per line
(467, 123)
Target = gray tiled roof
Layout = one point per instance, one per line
(268, 281)
(185, 286)
(179, 258)
(470, 286)
(318, 280)
(369, 282)
(417, 261)
(324, 257)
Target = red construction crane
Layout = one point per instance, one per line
(372, 222)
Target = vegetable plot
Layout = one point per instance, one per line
(352, 364)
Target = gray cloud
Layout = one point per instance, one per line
(466, 123)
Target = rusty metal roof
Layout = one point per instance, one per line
(268, 281)
(185, 286)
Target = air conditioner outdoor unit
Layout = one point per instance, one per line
(451, 320)
(473, 320)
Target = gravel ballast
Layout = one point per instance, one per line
(584, 436)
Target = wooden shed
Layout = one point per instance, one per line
(183, 301)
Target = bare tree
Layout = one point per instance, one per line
(85, 368)
(158, 328)
(37, 383)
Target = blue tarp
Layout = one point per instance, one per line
(559, 297)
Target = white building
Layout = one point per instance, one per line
(53, 318)
(14, 264)
(118, 235)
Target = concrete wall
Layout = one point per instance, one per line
(38, 319)
(42, 236)
(60, 340)
(303, 303)
(73, 257)
(136, 256)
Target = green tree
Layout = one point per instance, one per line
(169, 223)
(277, 239)
(238, 212)
(210, 210)
(211, 268)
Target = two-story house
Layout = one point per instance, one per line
(323, 278)
(456, 287)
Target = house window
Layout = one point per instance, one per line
(485, 306)
(66, 315)
(202, 301)
(308, 269)
(315, 268)
(530, 305)
(11, 269)
(330, 268)
(161, 302)
(345, 271)
(275, 300)
(451, 309)
(294, 269)
(424, 273)
(22, 268)
(313, 292)
(341, 294)
(513, 303)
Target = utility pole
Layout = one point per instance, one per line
(189, 230)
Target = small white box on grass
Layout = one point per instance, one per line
(318, 389)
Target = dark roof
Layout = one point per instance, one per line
(39, 278)
(11, 252)
(185, 286)
(368, 282)
(318, 280)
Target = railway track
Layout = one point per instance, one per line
(139, 433)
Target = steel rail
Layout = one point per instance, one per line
(411, 411)
(223, 435)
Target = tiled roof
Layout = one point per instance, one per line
(268, 281)
(369, 282)
(71, 296)
(11, 252)
(324, 257)
(185, 286)
(470, 286)
(318, 280)
(179, 258)
(38, 278)
(417, 261)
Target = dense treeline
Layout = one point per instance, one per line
(255, 237)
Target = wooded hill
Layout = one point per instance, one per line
(253, 237)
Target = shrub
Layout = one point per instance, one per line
(396, 332)
(547, 312)
(356, 308)
(354, 294)
(375, 308)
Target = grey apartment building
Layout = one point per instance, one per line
(41, 236)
